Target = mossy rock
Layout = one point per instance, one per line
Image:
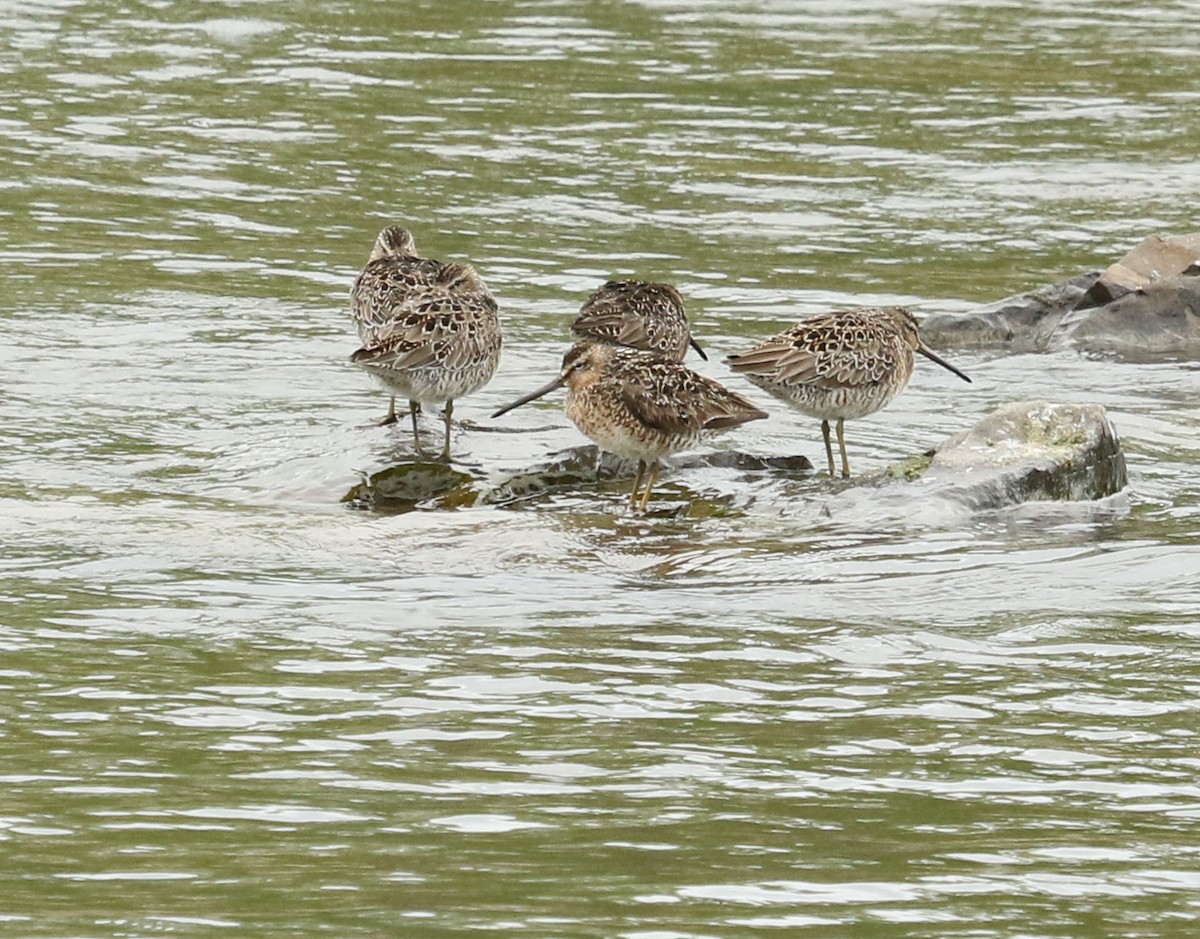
(910, 468)
(408, 486)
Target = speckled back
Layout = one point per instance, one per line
(640, 405)
(430, 330)
(836, 365)
(638, 314)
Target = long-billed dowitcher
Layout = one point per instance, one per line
(429, 330)
(839, 366)
(641, 406)
(638, 314)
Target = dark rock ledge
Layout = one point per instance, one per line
(1146, 304)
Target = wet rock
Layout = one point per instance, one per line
(408, 486)
(913, 467)
(747, 462)
(1162, 317)
(591, 456)
(587, 465)
(1155, 259)
(1029, 451)
(537, 482)
(1023, 322)
(1146, 303)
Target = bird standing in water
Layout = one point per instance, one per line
(641, 406)
(839, 366)
(638, 314)
(430, 330)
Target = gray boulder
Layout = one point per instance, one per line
(1148, 302)
(1154, 259)
(1022, 323)
(1160, 318)
(1030, 451)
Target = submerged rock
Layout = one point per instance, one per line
(1147, 302)
(408, 486)
(1023, 452)
(418, 485)
(588, 465)
(735, 459)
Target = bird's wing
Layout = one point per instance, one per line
(830, 351)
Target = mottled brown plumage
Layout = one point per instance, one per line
(641, 406)
(839, 366)
(430, 330)
(638, 314)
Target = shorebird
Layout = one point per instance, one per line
(429, 330)
(638, 314)
(641, 406)
(839, 366)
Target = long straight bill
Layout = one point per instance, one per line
(532, 396)
(695, 345)
(930, 354)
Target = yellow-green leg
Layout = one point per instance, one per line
(391, 414)
(651, 479)
(841, 432)
(828, 446)
(637, 485)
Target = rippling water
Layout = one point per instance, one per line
(230, 704)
